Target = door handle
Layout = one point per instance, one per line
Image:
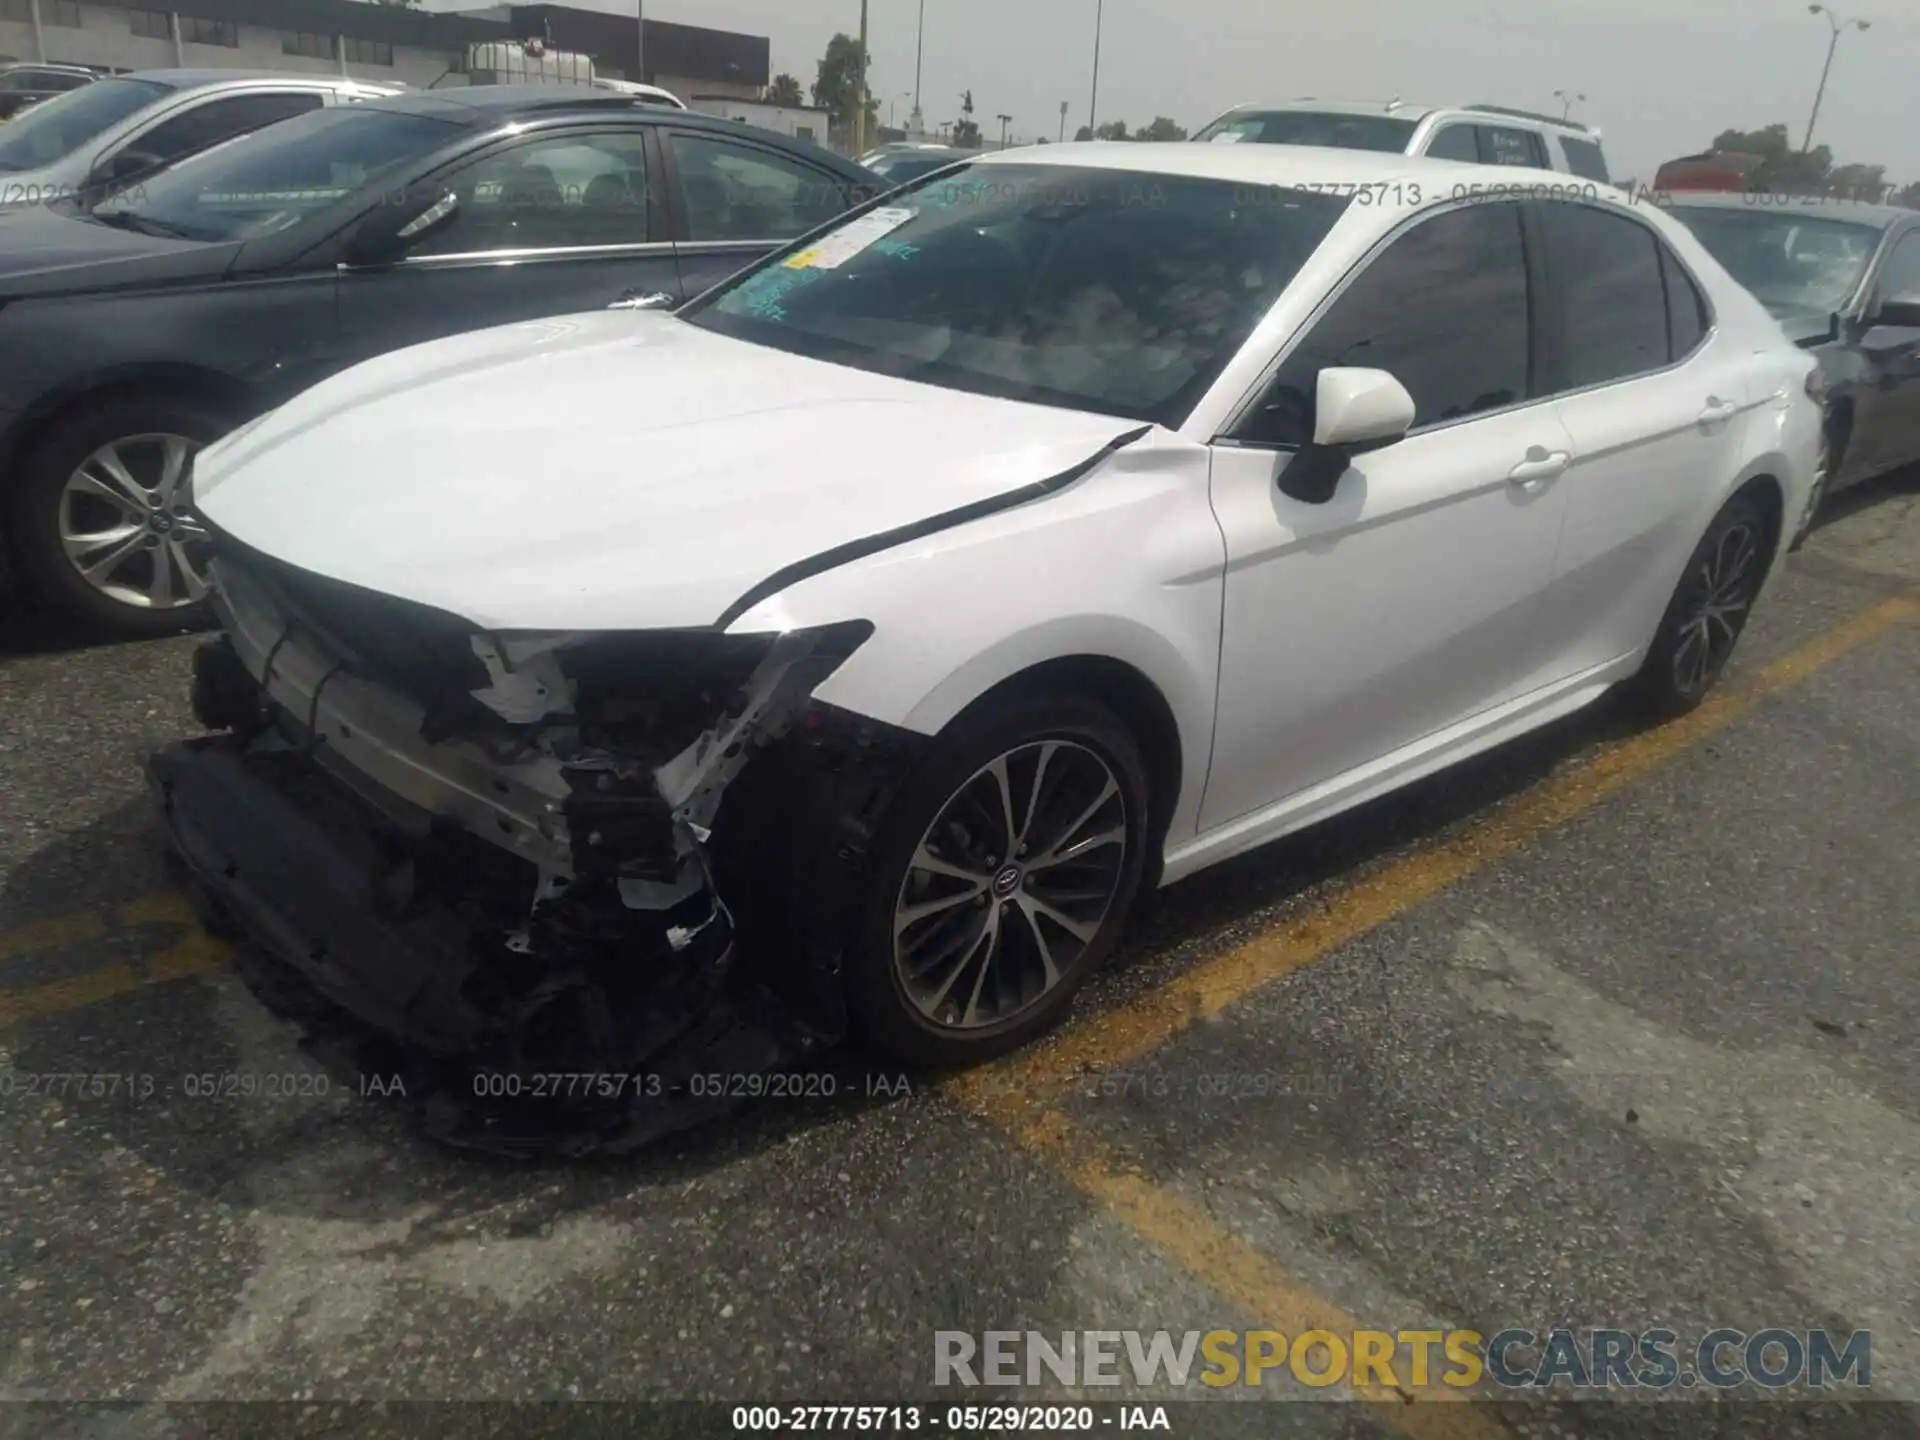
(658, 300)
(1539, 467)
(1718, 411)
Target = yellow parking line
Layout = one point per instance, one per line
(1231, 1268)
(1016, 1095)
(54, 934)
(1125, 1034)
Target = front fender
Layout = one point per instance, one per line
(1127, 564)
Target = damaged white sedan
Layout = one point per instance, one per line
(659, 695)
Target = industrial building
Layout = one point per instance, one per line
(420, 47)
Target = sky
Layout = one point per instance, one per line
(1662, 77)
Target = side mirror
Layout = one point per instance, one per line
(126, 165)
(1355, 410)
(396, 225)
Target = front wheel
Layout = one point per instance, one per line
(98, 520)
(1708, 611)
(1001, 881)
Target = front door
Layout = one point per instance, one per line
(1400, 607)
(1886, 423)
(556, 223)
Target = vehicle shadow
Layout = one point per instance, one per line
(215, 1026)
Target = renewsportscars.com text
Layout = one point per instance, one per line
(1654, 1359)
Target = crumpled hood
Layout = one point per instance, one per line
(611, 471)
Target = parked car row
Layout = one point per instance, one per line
(305, 224)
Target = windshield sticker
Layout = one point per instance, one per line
(1229, 137)
(760, 295)
(850, 239)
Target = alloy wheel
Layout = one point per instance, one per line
(1010, 884)
(124, 526)
(1718, 597)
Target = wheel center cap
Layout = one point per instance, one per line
(160, 522)
(1006, 880)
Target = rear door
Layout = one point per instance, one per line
(1654, 404)
(554, 223)
(734, 201)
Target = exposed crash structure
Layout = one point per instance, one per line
(531, 857)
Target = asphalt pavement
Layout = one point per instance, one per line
(1613, 1027)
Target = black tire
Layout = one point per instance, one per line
(877, 993)
(33, 507)
(1675, 678)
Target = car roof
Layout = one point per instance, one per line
(190, 79)
(478, 105)
(1404, 110)
(1860, 212)
(1284, 165)
(60, 65)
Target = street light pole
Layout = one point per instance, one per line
(1063, 122)
(1005, 120)
(1093, 100)
(860, 91)
(640, 40)
(1836, 25)
(919, 47)
(1567, 102)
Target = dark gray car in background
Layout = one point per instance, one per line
(138, 330)
(1843, 279)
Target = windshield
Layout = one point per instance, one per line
(1312, 127)
(276, 177)
(1113, 291)
(1789, 261)
(54, 129)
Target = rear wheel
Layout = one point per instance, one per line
(1003, 878)
(99, 525)
(1708, 611)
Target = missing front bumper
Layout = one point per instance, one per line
(396, 937)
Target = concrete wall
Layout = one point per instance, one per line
(105, 36)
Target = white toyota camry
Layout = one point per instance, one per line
(864, 636)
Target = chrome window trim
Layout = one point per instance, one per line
(532, 252)
(1240, 412)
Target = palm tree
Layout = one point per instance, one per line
(785, 90)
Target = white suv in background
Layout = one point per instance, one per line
(1476, 134)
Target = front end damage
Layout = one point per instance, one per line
(573, 878)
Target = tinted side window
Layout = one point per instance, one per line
(1612, 304)
(1686, 307)
(1503, 145)
(740, 192)
(1443, 308)
(1455, 142)
(1585, 159)
(218, 120)
(545, 194)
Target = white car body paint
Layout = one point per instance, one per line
(629, 472)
